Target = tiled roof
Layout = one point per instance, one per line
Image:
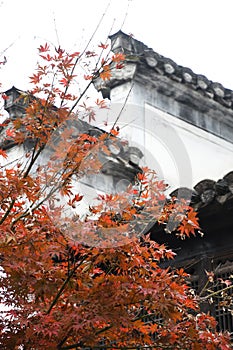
(208, 192)
(136, 50)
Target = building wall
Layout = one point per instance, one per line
(182, 153)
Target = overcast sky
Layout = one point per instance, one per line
(194, 33)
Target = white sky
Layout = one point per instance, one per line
(194, 33)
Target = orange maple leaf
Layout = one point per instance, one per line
(118, 57)
(106, 73)
(189, 224)
(114, 132)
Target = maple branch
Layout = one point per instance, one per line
(64, 285)
(52, 191)
(204, 288)
(80, 97)
(33, 159)
(215, 293)
(17, 160)
(76, 345)
(133, 347)
(97, 71)
(103, 329)
(8, 211)
(78, 58)
(63, 340)
(144, 316)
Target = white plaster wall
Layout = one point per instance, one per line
(194, 153)
(181, 153)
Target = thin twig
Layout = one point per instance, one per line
(81, 54)
(122, 108)
(215, 293)
(55, 27)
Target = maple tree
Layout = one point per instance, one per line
(93, 283)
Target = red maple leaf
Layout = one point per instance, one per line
(44, 48)
(10, 133)
(5, 97)
(3, 153)
(64, 82)
(88, 77)
(35, 78)
(103, 46)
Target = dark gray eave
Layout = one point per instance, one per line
(122, 161)
(208, 192)
(177, 90)
(214, 202)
